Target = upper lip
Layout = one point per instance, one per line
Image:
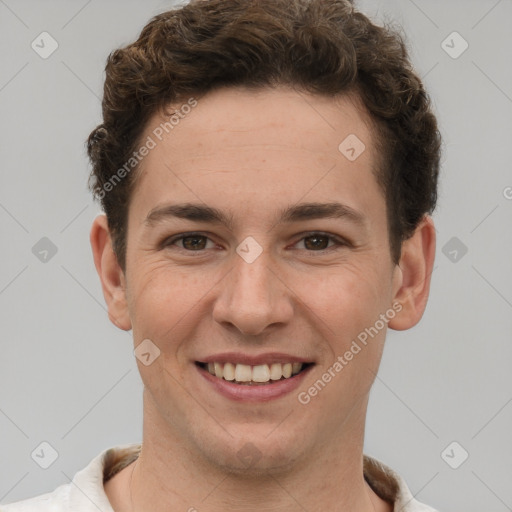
(254, 360)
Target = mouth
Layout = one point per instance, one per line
(254, 375)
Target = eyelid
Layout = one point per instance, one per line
(338, 241)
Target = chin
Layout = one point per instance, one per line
(253, 454)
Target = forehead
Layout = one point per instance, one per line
(255, 117)
(274, 144)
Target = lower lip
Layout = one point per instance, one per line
(257, 393)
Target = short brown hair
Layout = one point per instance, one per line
(324, 47)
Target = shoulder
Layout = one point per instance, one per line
(55, 501)
(86, 491)
(390, 486)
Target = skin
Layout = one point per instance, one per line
(252, 154)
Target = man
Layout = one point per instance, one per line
(267, 170)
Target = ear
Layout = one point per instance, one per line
(111, 275)
(414, 272)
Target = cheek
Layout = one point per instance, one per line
(349, 303)
(347, 299)
(163, 302)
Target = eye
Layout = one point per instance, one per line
(198, 242)
(318, 242)
(191, 242)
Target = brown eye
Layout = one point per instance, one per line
(190, 242)
(194, 242)
(317, 242)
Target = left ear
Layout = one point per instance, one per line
(415, 266)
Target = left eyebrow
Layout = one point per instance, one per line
(308, 211)
(300, 212)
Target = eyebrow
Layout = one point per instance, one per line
(300, 212)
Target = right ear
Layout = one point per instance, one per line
(111, 275)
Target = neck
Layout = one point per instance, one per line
(172, 475)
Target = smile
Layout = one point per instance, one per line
(261, 374)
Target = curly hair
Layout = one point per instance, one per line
(324, 47)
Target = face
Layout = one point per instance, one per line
(283, 258)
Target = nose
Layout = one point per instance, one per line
(253, 297)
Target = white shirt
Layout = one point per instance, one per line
(86, 492)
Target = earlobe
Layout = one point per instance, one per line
(110, 273)
(416, 264)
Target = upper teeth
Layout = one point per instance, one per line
(259, 373)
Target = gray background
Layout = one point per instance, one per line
(68, 376)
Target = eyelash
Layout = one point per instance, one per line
(339, 242)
